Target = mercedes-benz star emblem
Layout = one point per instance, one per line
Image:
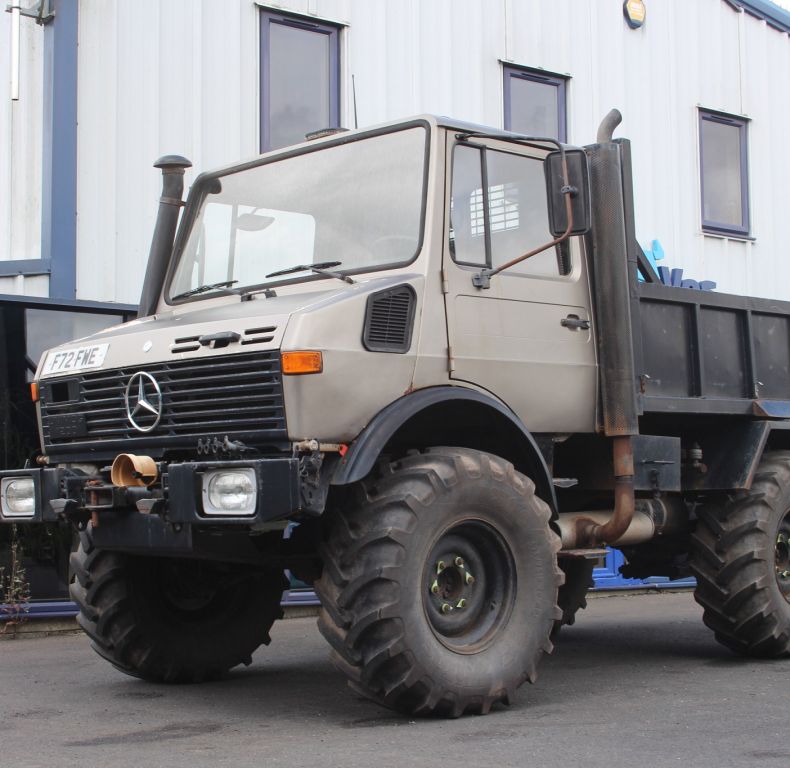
(143, 401)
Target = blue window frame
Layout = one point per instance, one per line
(300, 78)
(535, 103)
(724, 173)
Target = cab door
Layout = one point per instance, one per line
(528, 338)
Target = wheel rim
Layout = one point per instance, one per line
(782, 557)
(469, 586)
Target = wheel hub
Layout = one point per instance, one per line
(469, 583)
(782, 557)
(453, 585)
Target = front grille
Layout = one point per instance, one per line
(238, 395)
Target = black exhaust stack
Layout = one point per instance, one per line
(170, 203)
(613, 297)
(613, 315)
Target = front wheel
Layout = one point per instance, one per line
(440, 581)
(169, 620)
(742, 564)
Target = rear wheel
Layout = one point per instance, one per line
(573, 593)
(742, 564)
(169, 620)
(440, 583)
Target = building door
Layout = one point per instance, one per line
(528, 337)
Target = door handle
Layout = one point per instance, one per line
(575, 323)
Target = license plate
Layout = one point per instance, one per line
(75, 359)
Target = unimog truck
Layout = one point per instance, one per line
(426, 368)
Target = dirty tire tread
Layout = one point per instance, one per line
(359, 617)
(573, 593)
(140, 643)
(733, 561)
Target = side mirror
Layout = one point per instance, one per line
(579, 181)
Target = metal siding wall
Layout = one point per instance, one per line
(20, 156)
(175, 77)
(181, 76)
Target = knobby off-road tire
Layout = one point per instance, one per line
(440, 579)
(573, 593)
(174, 621)
(741, 564)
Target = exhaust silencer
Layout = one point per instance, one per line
(130, 470)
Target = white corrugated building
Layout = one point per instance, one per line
(107, 86)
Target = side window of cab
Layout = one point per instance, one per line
(499, 211)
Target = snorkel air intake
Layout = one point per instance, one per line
(170, 203)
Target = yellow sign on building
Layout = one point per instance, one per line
(635, 13)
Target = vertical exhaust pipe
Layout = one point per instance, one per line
(613, 311)
(170, 203)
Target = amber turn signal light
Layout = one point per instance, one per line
(301, 362)
(34, 391)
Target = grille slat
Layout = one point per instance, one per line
(213, 397)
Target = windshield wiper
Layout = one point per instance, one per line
(204, 288)
(321, 267)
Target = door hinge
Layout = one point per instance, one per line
(450, 360)
(445, 286)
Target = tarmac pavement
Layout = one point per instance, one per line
(637, 681)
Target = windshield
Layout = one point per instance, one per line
(358, 203)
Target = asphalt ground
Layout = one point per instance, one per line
(638, 681)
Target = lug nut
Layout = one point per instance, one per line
(468, 578)
(446, 607)
(440, 566)
(461, 603)
(435, 587)
(459, 561)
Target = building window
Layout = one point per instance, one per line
(300, 78)
(535, 103)
(724, 173)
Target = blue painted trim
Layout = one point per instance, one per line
(59, 198)
(65, 609)
(14, 267)
(48, 609)
(762, 9)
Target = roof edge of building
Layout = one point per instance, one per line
(777, 17)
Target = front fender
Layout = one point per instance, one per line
(448, 415)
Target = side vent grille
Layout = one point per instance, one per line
(389, 319)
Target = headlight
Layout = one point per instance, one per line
(229, 492)
(18, 497)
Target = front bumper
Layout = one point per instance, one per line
(61, 493)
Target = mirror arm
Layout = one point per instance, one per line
(482, 279)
